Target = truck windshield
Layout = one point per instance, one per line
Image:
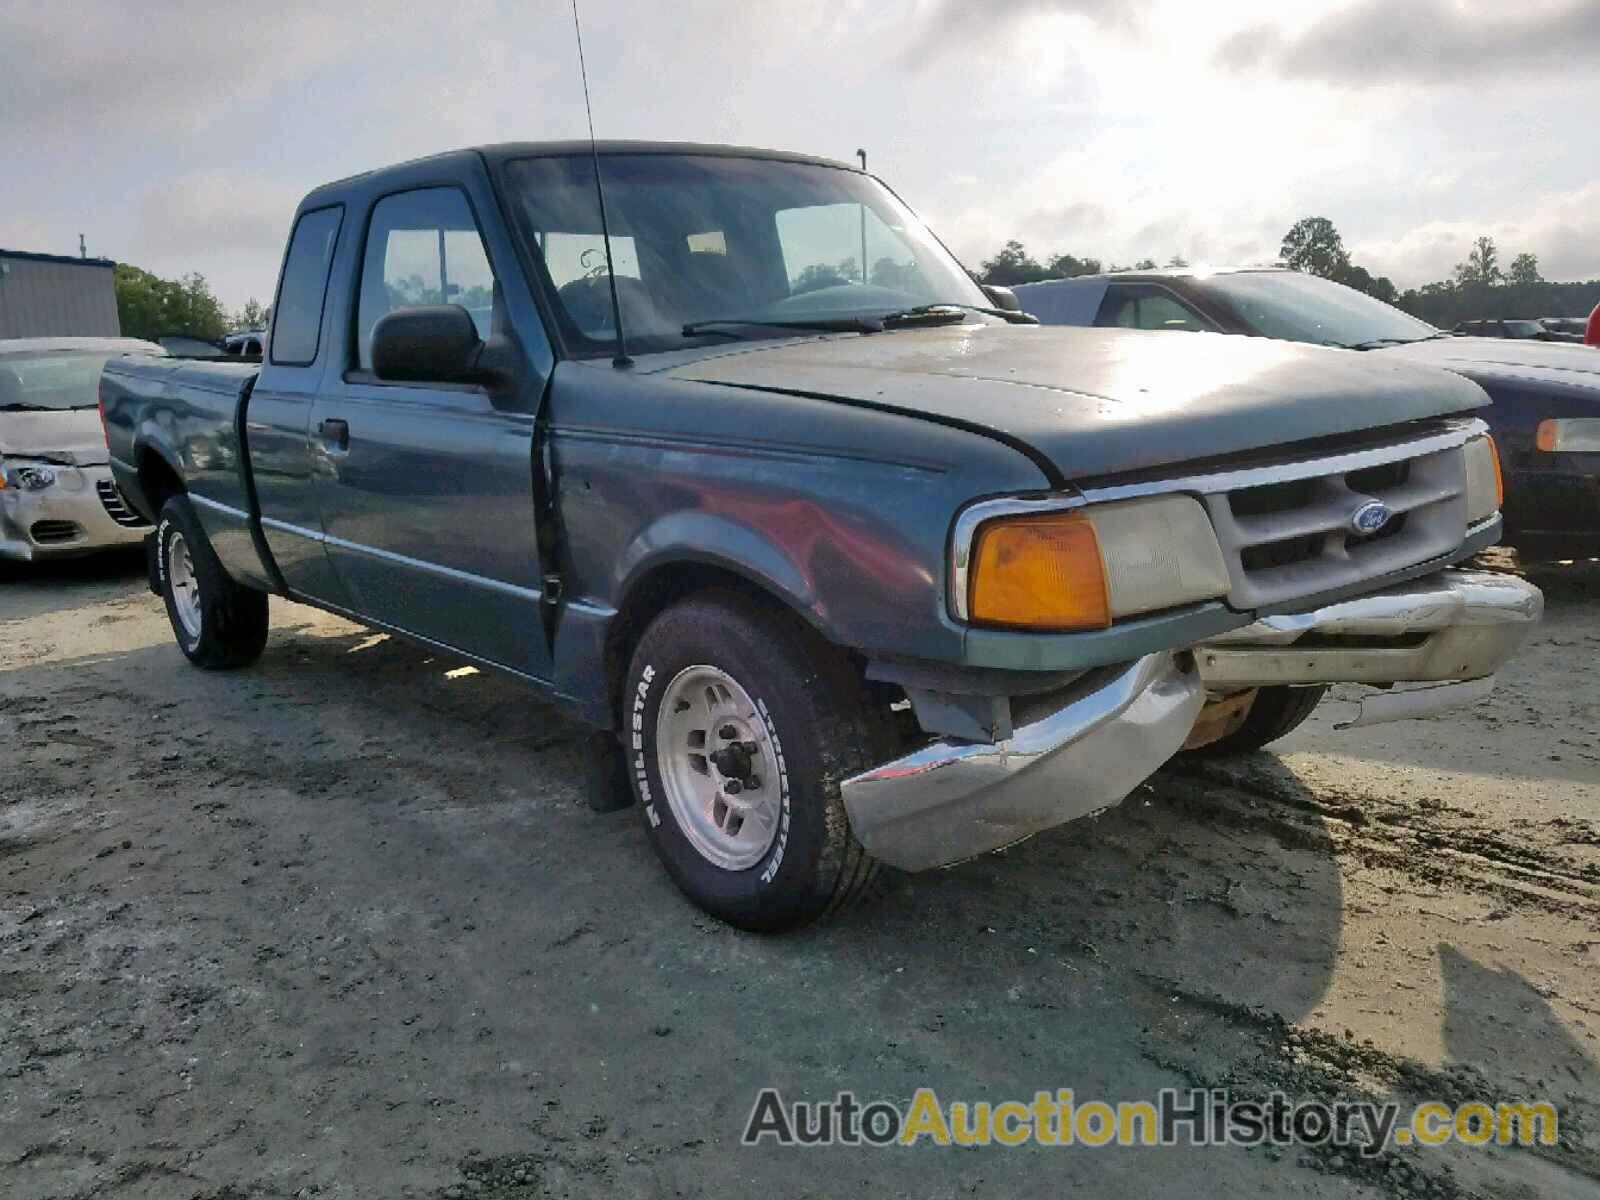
(710, 241)
(1304, 308)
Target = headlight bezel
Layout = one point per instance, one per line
(1196, 557)
(1483, 483)
(26, 477)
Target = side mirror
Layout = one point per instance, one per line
(1002, 297)
(433, 343)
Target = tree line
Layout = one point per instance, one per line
(1478, 286)
(149, 306)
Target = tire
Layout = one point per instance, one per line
(721, 663)
(1276, 711)
(219, 625)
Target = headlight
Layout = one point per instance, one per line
(1485, 492)
(27, 479)
(1083, 568)
(1570, 434)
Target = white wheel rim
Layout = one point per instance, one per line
(718, 767)
(185, 588)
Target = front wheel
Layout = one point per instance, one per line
(740, 725)
(1273, 713)
(219, 624)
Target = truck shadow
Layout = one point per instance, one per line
(1218, 884)
(1534, 1043)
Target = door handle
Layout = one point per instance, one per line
(335, 435)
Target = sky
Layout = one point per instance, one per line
(179, 136)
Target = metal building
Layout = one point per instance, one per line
(52, 295)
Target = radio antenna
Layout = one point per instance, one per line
(621, 359)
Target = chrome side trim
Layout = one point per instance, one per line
(226, 510)
(409, 563)
(451, 573)
(314, 535)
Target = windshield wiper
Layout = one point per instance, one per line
(943, 307)
(922, 314)
(1376, 343)
(721, 325)
(24, 406)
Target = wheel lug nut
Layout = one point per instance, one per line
(733, 787)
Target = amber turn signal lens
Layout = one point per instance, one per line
(1041, 572)
(1499, 479)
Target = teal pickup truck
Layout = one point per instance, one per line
(846, 561)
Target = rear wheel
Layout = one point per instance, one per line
(219, 624)
(1274, 713)
(740, 724)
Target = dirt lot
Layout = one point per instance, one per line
(342, 925)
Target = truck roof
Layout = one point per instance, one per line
(499, 152)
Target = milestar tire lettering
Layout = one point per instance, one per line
(782, 844)
(646, 677)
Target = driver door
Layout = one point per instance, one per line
(426, 489)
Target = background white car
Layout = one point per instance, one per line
(57, 497)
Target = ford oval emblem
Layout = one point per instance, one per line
(1370, 517)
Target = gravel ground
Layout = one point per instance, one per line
(341, 925)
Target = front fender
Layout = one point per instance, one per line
(841, 512)
(715, 540)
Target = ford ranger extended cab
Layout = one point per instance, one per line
(846, 563)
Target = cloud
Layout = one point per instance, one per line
(1424, 41)
(229, 225)
(973, 27)
(245, 214)
(123, 67)
(1562, 228)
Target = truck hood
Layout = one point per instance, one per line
(1566, 366)
(73, 437)
(1097, 402)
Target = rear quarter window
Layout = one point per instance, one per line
(297, 322)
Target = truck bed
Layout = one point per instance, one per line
(183, 419)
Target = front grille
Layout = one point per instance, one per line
(46, 533)
(1287, 538)
(116, 507)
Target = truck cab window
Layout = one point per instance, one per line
(423, 247)
(835, 245)
(304, 287)
(1147, 308)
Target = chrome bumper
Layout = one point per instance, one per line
(952, 800)
(1453, 630)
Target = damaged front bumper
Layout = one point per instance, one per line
(79, 512)
(1449, 633)
(1082, 748)
(1070, 753)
